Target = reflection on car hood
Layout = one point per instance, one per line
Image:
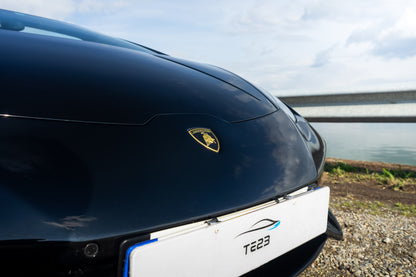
(87, 181)
(221, 74)
(58, 78)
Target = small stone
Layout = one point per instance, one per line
(387, 240)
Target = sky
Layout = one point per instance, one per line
(285, 47)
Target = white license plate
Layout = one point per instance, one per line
(236, 244)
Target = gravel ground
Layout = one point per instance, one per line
(373, 245)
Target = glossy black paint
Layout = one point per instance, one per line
(48, 77)
(221, 74)
(94, 148)
(75, 181)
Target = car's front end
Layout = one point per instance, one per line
(118, 162)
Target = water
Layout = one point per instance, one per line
(385, 142)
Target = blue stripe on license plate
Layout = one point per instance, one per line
(131, 248)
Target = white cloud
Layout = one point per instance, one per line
(351, 45)
(404, 26)
(395, 47)
(392, 37)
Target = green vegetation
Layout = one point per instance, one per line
(375, 208)
(384, 177)
(407, 210)
(349, 204)
(340, 168)
(388, 174)
(394, 178)
(387, 178)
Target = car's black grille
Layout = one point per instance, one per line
(47, 258)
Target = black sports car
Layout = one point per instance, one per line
(119, 160)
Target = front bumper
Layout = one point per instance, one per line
(60, 258)
(233, 244)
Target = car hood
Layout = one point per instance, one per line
(220, 74)
(63, 79)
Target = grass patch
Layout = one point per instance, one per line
(342, 167)
(392, 178)
(375, 208)
(339, 168)
(399, 173)
(406, 210)
(396, 179)
(353, 205)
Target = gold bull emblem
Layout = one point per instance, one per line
(206, 138)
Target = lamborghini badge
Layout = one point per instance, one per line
(206, 138)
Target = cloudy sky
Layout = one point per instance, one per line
(285, 47)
